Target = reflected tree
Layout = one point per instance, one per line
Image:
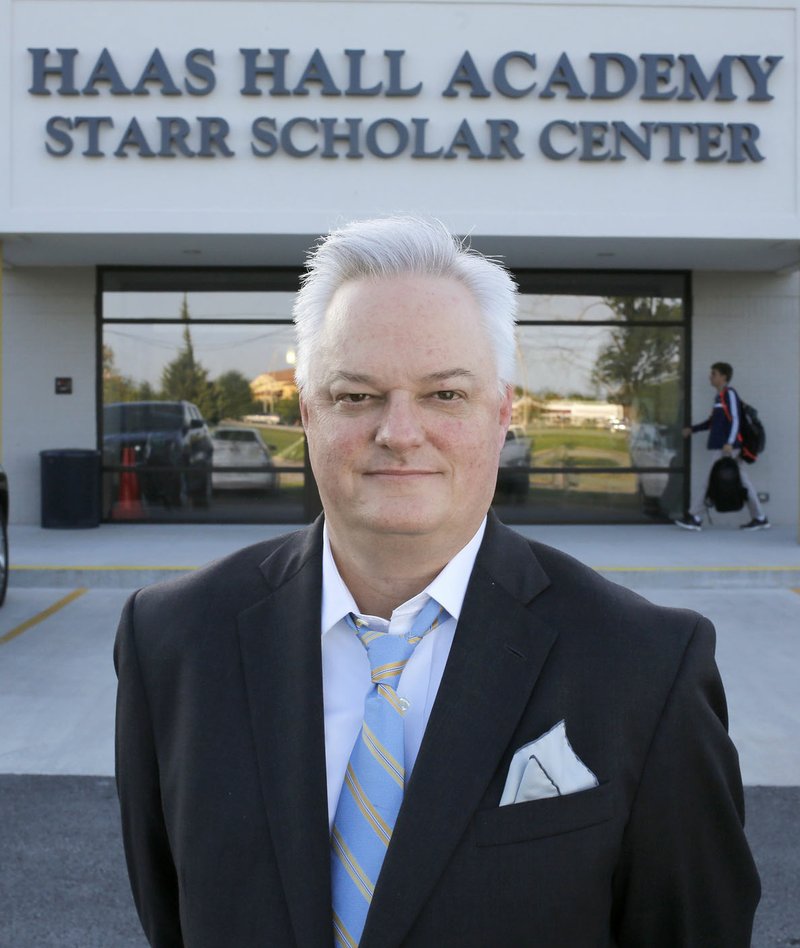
(122, 388)
(233, 396)
(116, 386)
(639, 359)
(288, 409)
(184, 378)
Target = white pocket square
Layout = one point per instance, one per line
(546, 767)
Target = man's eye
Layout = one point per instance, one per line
(353, 398)
(447, 395)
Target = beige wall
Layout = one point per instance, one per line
(753, 321)
(48, 330)
(527, 196)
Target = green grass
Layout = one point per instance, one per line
(600, 460)
(288, 441)
(597, 439)
(579, 447)
(552, 447)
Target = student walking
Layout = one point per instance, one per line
(724, 440)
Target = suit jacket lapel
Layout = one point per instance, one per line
(280, 644)
(497, 654)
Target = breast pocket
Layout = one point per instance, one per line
(536, 819)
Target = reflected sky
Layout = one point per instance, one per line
(142, 351)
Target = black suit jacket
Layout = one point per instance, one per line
(221, 766)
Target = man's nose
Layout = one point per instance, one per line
(400, 426)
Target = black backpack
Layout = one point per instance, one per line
(725, 491)
(751, 430)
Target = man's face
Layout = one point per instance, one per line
(403, 413)
(717, 379)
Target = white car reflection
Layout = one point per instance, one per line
(649, 447)
(242, 447)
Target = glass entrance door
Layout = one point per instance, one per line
(200, 417)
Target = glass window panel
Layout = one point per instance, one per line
(200, 279)
(129, 496)
(576, 497)
(201, 363)
(540, 307)
(606, 379)
(595, 435)
(596, 421)
(198, 306)
(662, 284)
(162, 459)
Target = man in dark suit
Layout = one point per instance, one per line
(565, 775)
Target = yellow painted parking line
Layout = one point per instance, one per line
(41, 616)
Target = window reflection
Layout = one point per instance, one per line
(200, 412)
(597, 412)
(201, 415)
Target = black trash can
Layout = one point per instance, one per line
(70, 488)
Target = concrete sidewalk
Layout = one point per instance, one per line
(72, 584)
(131, 555)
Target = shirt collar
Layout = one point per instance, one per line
(448, 588)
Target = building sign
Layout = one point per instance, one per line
(288, 94)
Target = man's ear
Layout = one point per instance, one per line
(505, 413)
(304, 413)
(506, 405)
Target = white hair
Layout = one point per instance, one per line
(395, 246)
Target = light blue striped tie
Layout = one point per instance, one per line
(373, 785)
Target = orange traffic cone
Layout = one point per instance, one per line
(129, 503)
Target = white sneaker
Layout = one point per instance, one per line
(689, 523)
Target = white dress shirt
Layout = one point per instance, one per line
(345, 665)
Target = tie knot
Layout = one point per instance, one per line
(388, 654)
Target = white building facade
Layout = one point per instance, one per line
(166, 165)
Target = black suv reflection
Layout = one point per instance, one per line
(169, 444)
